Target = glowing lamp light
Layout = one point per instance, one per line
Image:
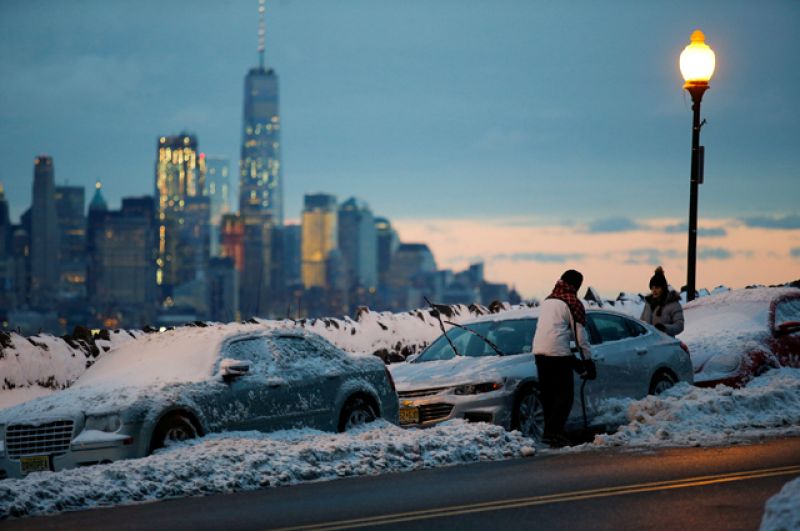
(697, 61)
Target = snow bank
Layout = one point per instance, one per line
(252, 460)
(693, 416)
(782, 512)
(49, 361)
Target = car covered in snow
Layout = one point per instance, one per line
(736, 335)
(491, 375)
(187, 382)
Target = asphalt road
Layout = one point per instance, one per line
(682, 489)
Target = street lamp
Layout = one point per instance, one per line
(697, 67)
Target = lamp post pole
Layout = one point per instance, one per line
(697, 66)
(696, 172)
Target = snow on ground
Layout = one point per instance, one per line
(252, 460)
(219, 463)
(694, 416)
(782, 512)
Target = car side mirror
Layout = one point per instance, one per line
(230, 369)
(787, 327)
(411, 357)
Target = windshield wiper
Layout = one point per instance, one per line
(441, 325)
(485, 339)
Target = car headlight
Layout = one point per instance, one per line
(110, 423)
(474, 389)
(723, 363)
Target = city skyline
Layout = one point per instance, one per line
(419, 127)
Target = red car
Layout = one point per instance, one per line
(736, 335)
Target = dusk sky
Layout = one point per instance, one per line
(534, 136)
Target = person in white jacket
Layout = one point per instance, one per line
(562, 318)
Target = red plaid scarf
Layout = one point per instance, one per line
(567, 293)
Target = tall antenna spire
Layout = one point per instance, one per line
(261, 33)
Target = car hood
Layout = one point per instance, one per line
(94, 400)
(460, 370)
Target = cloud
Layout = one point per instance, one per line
(795, 252)
(652, 256)
(708, 232)
(773, 222)
(714, 253)
(552, 258)
(615, 224)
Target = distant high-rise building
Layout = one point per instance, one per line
(292, 256)
(182, 212)
(121, 280)
(261, 188)
(319, 237)
(358, 241)
(218, 192)
(7, 259)
(44, 234)
(411, 264)
(388, 241)
(260, 181)
(232, 239)
(70, 202)
(223, 290)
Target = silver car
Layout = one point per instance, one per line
(187, 382)
(500, 385)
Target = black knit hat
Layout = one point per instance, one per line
(573, 278)
(658, 279)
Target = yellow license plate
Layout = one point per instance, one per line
(409, 415)
(35, 463)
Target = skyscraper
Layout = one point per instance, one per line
(182, 212)
(358, 245)
(218, 192)
(261, 187)
(44, 234)
(70, 202)
(260, 182)
(122, 277)
(319, 238)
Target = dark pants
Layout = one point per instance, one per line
(556, 389)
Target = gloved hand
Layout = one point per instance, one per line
(586, 369)
(661, 327)
(590, 370)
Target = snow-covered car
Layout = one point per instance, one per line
(190, 381)
(736, 335)
(478, 383)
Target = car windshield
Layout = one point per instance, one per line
(511, 337)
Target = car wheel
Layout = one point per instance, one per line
(661, 382)
(529, 415)
(356, 412)
(174, 427)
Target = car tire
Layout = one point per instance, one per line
(661, 382)
(528, 416)
(174, 427)
(356, 412)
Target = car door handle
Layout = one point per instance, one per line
(641, 351)
(598, 357)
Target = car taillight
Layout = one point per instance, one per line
(391, 380)
(684, 347)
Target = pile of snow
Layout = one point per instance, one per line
(48, 361)
(220, 463)
(252, 460)
(782, 511)
(693, 416)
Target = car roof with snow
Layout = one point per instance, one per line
(731, 321)
(185, 354)
(531, 312)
